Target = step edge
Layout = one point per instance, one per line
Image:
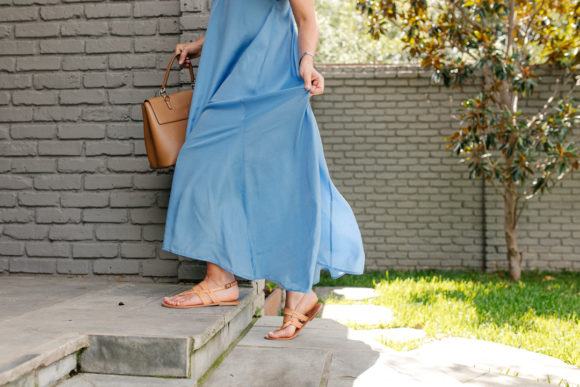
(75, 343)
(202, 339)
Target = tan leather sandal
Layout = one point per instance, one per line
(202, 290)
(299, 320)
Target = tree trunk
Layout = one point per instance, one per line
(510, 229)
(509, 100)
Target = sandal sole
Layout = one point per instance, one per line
(207, 290)
(225, 303)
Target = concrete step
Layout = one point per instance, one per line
(101, 380)
(110, 327)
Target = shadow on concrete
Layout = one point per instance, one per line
(324, 353)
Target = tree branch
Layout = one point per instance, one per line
(466, 16)
(559, 86)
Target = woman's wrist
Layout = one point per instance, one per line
(199, 42)
(306, 59)
(309, 55)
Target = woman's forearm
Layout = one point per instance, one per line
(200, 41)
(307, 38)
(305, 17)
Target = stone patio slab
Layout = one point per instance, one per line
(333, 339)
(497, 358)
(316, 323)
(270, 367)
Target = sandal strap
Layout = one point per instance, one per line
(286, 323)
(209, 292)
(201, 294)
(293, 321)
(227, 286)
(294, 314)
(205, 294)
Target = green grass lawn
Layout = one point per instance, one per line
(540, 313)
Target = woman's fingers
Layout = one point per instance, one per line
(317, 83)
(181, 51)
(179, 47)
(183, 56)
(321, 84)
(307, 80)
(186, 51)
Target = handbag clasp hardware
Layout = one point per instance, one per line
(166, 99)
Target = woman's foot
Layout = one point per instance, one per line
(191, 299)
(216, 277)
(292, 300)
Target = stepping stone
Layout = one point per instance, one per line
(355, 293)
(346, 293)
(497, 358)
(359, 314)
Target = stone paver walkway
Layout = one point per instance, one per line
(327, 353)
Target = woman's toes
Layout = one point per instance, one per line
(281, 333)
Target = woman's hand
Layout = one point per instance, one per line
(313, 80)
(189, 50)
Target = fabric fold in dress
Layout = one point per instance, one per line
(251, 190)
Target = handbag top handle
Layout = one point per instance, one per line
(192, 77)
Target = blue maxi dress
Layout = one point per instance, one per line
(251, 191)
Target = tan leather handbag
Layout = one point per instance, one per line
(165, 122)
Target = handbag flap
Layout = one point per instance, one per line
(174, 107)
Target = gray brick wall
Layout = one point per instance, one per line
(382, 128)
(76, 193)
(77, 196)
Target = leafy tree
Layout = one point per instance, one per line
(343, 37)
(498, 44)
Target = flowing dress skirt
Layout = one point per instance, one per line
(251, 191)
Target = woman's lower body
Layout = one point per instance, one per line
(251, 193)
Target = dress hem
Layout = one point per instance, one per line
(258, 277)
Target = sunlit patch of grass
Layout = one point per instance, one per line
(540, 313)
(402, 346)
